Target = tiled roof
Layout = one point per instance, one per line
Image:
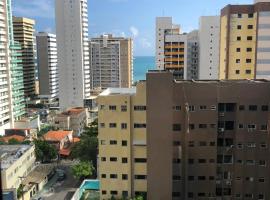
(16, 137)
(56, 135)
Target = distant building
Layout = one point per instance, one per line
(60, 139)
(47, 66)
(209, 38)
(23, 30)
(111, 62)
(73, 119)
(193, 55)
(171, 139)
(16, 161)
(72, 52)
(245, 41)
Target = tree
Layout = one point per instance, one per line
(44, 151)
(13, 141)
(83, 170)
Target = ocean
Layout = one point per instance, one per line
(141, 65)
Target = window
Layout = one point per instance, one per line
(103, 159)
(201, 161)
(191, 108)
(238, 49)
(264, 107)
(253, 108)
(139, 125)
(191, 143)
(103, 175)
(240, 146)
(123, 108)
(124, 143)
(249, 49)
(114, 192)
(176, 127)
(102, 142)
(203, 126)
(203, 107)
(190, 195)
(113, 142)
(190, 161)
(123, 126)
(249, 195)
(250, 162)
(248, 60)
(237, 71)
(250, 179)
(211, 160)
(102, 125)
(251, 127)
(102, 107)
(125, 194)
(191, 126)
(112, 107)
(124, 177)
(237, 61)
(176, 143)
(240, 126)
(140, 160)
(177, 108)
(176, 178)
(239, 27)
(112, 125)
(238, 38)
(113, 159)
(139, 108)
(250, 15)
(249, 38)
(140, 177)
(239, 15)
(261, 179)
(213, 125)
(202, 144)
(228, 159)
(251, 145)
(191, 178)
(264, 127)
(261, 197)
(104, 192)
(176, 194)
(176, 161)
(250, 26)
(113, 176)
(241, 107)
(124, 160)
(263, 145)
(262, 163)
(212, 144)
(201, 178)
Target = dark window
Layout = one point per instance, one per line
(124, 108)
(240, 126)
(264, 108)
(264, 127)
(139, 125)
(241, 107)
(250, 26)
(114, 192)
(201, 178)
(249, 49)
(202, 161)
(113, 159)
(140, 160)
(190, 161)
(237, 61)
(103, 175)
(239, 27)
(237, 71)
(261, 179)
(250, 15)
(124, 160)
(212, 144)
(191, 143)
(203, 107)
(238, 38)
(253, 108)
(238, 49)
(202, 144)
(124, 143)
(248, 60)
(229, 125)
(112, 107)
(249, 38)
(113, 176)
(176, 178)
(239, 15)
(177, 108)
(191, 126)
(190, 195)
(202, 125)
(123, 126)
(248, 71)
(191, 178)
(112, 125)
(176, 127)
(124, 177)
(125, 194)
(103, 159)
(104, 192)
(176, 194)
(140, 177)
(139, 108)
(176, 143)
(113, 142)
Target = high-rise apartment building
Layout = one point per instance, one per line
(111, 62)
(11, 84)
(209, 36)
(47, 65)
(193, 55)
(157, 142)
(171, 47)
(23, 29)
(73, 52)
(245, 41)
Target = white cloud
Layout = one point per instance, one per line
(145, 43)
(134, 31)
(34, 8)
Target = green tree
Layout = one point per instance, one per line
(83, 170)
(20, 191)
(13, 141)
(44, 151)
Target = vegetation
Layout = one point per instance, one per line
(83, 170)
(20, 191)
(44, 151)
(44, 130)
(13, 141)
(86, 149)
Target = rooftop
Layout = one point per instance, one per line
(16, 137)
(73, 111)
(11, 153)
(117, 91)
(56, 135)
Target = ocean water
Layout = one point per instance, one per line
(141, 65)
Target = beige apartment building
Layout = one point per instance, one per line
(23, 30)
(176, 140)
(16, 161)
(245, 41)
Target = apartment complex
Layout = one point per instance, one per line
(47, 65)
(122, 142)
(245, 41)
(23, 30)
(16, 161)
(181, 154)
(73, 53)
(171, 47)
(209, 36)
(193, 55)
(111, 62)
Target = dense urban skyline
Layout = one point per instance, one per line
(128, 18)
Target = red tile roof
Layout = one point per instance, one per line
(16, 137)
(56, 135)
(75, 140)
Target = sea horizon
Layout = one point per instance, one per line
(141, 65)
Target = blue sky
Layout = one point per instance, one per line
(132, 18)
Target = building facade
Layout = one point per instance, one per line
(209, 36)
(245, 41)
(73, 53)
(111, 62)
(171, 48)
(193, 55)
(47, 65)
(23, 30)
(181, 154)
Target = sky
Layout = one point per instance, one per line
(129, 18)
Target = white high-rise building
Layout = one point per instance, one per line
(47, 65)
(73, 54)
(193, 55)
(209, 35)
